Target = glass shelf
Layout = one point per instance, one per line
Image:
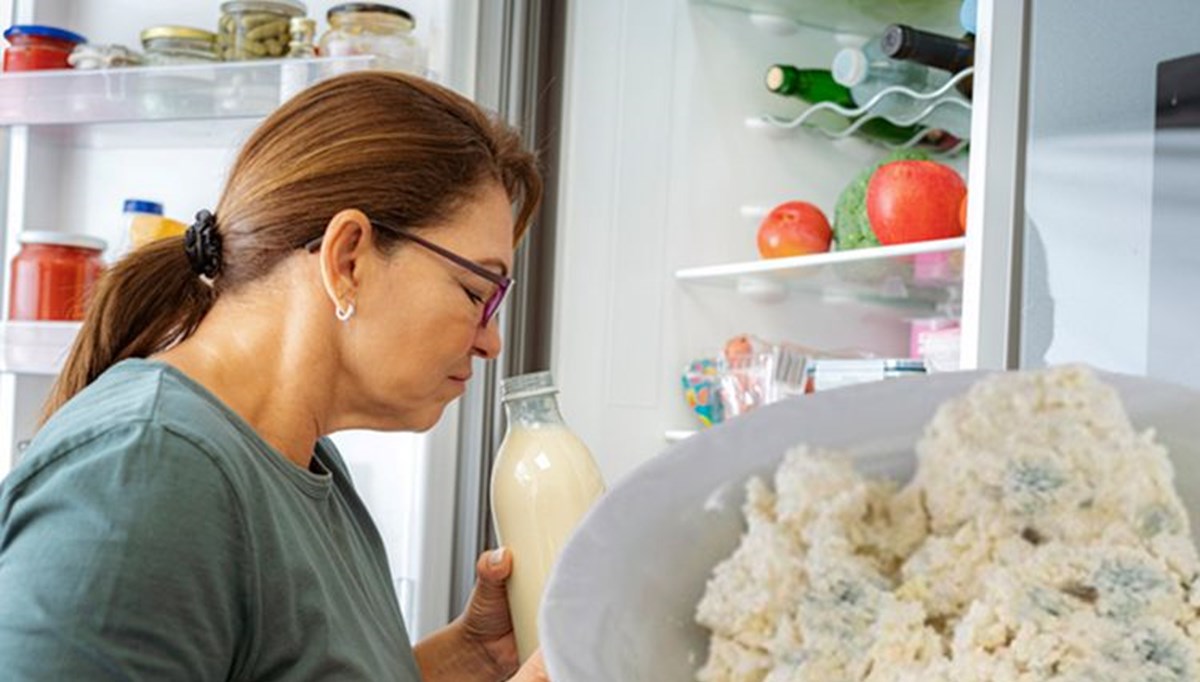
(918, 275)
(678, 435)
(37, 348)
(200, 92)
(861, 18)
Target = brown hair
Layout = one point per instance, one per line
(403, 150)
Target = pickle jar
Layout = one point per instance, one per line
(370, 28)
(179, 45)
(256, 29)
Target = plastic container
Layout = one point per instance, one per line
(543, 482)
(166, 45)
(33, 48)
(52, 275)
(868, 72)
(256, 29)
(383, 31)
(147, 223)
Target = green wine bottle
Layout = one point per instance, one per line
(817, 85)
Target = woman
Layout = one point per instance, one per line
(180, 515)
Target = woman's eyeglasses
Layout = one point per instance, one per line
(490, 305)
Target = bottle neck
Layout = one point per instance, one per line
(810, 85)
(930, 49)
(540, 410)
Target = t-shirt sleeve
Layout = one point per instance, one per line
(122, 558)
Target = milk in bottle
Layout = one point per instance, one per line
(543, 482)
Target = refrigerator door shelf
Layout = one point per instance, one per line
(910, 276)
(250, 89)
(37, 348)
(848, 17)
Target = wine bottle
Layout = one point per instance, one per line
(817, 85)
(931, 49)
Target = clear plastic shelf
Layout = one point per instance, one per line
(904, 277)
(38, 348)
(204, 92)
(678, 435)
(817, 117)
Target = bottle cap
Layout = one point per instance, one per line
(850, 67)
(527, 386)
(143, 206)
(776, 76)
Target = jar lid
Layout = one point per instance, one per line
(291, 8)
(62, 239)
(348, 7)
(184, 32)
(143, 206)
(42, 32)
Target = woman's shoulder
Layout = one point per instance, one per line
(137, 409)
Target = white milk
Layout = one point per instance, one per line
(543, 482)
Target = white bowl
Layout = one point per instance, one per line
(619, 606)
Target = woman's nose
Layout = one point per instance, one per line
(487, 340)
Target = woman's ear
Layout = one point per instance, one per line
(348, 240)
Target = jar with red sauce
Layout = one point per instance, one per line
(32, 47)
(53, 275)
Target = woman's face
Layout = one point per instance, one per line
(416, 328)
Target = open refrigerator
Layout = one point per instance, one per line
(1077, 247)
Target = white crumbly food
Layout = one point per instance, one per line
(1040, 540)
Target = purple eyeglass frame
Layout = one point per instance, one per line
(490, 306)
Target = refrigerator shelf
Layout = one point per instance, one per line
(678, 435)
(918, 275)
(204, 92)
(37, 348)
(849, 17)
(830, 119)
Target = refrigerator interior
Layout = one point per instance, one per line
(75, 177)
(662, 173)
(1112, 158)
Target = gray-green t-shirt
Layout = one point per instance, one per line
(150, 534)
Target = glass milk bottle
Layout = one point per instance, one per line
(543, 482)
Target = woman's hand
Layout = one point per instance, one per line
(534, 670)
(487, 623)
(480, 644)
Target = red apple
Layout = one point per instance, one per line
(794, 228)
(912, 201)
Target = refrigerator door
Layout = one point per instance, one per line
(1111, 259)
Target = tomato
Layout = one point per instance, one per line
(794, 228)
(962, 214)
(910, 201)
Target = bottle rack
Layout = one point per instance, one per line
(811, 118)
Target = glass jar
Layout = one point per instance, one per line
(382, 31)
(165, 45)
(33, 48)
(53, 274)
(256, 29)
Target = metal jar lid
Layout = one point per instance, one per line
(52, 238)
(178, 32)
(291, 8)
(379, 8)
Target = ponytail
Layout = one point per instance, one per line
(147, 302)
